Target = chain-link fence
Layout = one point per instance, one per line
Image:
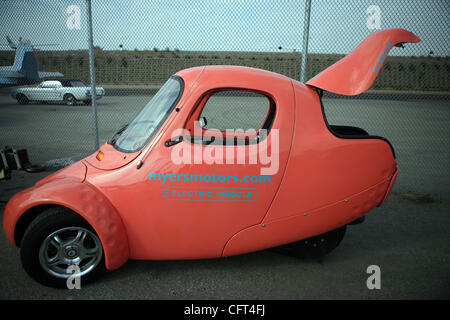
(139, 44)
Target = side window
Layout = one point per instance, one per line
(232, 117)
(49, 84)
(234, 109)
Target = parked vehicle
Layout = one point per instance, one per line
(148, 194)
(68, 91)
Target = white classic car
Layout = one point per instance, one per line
(67, 91)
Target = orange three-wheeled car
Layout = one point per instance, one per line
(222, 161)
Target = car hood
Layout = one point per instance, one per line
(112, 158)
(77, 171)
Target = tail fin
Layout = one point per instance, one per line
(11, 44)
(25, 62)
(356, 72)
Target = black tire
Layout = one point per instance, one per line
(314, 247)
(50, 222)
(22, 99)
(70, 100)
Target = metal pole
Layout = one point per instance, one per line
(305, 41)
(92, 72)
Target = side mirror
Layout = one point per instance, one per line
(202, 122)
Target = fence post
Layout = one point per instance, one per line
(305, 41)
(92, 73)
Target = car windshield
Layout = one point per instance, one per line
(138, 133)
(77, 84)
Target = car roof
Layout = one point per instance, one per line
(51, 81)
(64, 82)
(236, 70)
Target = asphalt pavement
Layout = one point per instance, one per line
(408, 237)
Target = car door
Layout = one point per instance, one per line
(180, 209)
(47, 91)
(54, 92)
(32, 93)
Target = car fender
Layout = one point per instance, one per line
(79, 93)
(17, 91)
(66, 91)
(81, 198)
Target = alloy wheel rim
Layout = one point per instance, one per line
(70, 246)
(69, 100)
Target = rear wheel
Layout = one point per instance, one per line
(56, 240)
(69, 99)
(314, 247)
(22, 99)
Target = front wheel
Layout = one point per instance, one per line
(315, 247)
(58, 245)
(22, 99)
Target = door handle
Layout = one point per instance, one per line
(173, 141)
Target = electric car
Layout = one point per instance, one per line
(223, 160)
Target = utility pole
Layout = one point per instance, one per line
(303, 70)
(92, 72)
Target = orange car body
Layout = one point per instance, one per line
(323, 181)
